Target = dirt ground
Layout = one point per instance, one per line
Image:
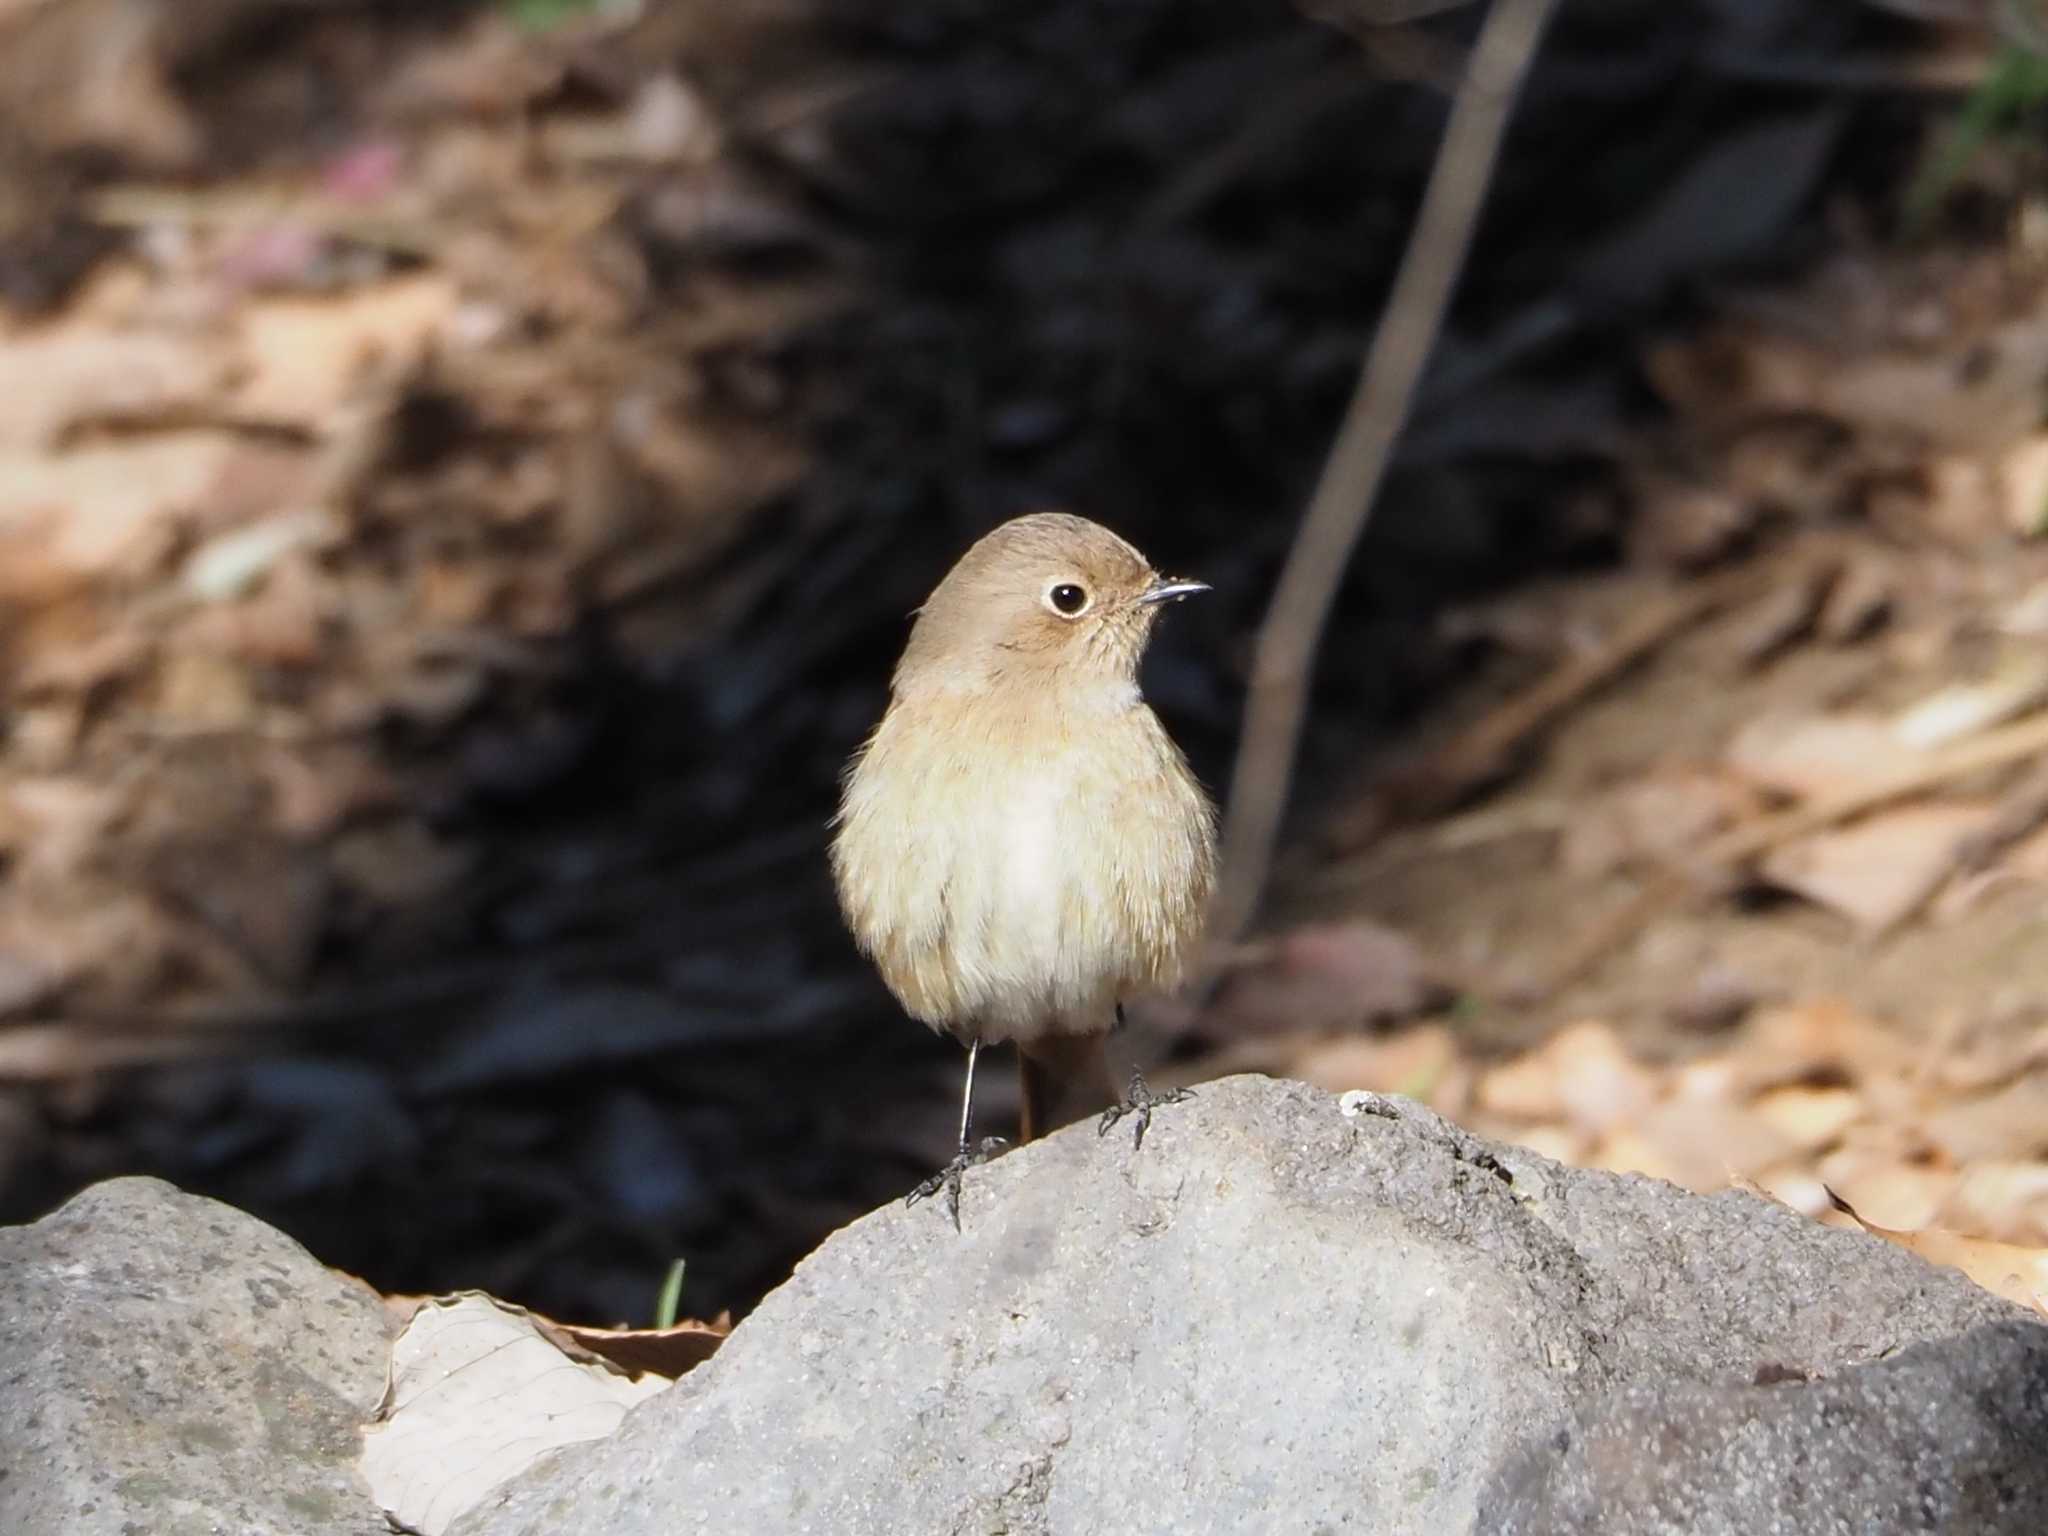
(464, 469)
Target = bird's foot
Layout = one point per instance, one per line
(948, 1177)
(1139, 1101)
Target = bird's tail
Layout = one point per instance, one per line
(1061, 1078)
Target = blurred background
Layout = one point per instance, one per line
(466, 467)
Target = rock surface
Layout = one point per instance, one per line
(172, 1367)
(1950, 1436)
(1279, 1316)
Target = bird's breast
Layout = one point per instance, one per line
(1016, 882)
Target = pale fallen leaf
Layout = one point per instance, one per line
(1559, 1142)
(90, 372)
(1697, 1143)
(2010, 1122)
(1821, 1037)
(1582, 1076)
(2005, 1269)
(2023, 486)
(1627, 1150)
(1808, 1118)
(1816, 754)
(112, 507)
(2001, 1198)
(1875, 870)
(1991, 1060)
(307, 356)
(2026, 614)
(228, 564)
(1654, 820)
(1414, 1062)
(478, 1393)
(1962, 710)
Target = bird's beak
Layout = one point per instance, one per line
(1171, 589)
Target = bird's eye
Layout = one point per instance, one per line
(1067, 598)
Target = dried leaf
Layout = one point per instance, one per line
(479, 1393)
(307, 357)
(87, 371)
(1581, 1075)
(1322, 977)
(1415, 1062)
(1808, 1118)
(1874, 871)
(113, 507)
(229, 564)
(2023, 487)
(2005, 1269)
(2010, 1122)
(1962, 710)
(1655, 821)
(1698, 1143)
(1820, 1038)
(669, 1352)
(1797, 754)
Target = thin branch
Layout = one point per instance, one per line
(1379, 408)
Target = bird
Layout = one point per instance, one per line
(1020, 847)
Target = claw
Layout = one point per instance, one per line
(948, 1177)
(1139, 1101)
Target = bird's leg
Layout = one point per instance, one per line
(1138, 1101)
(948, 1177)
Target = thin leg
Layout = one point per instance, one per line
(948, 1177)
(967, 1097)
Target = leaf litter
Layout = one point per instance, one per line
(403, 443)
(1824, 803)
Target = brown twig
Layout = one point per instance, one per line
(1343, 498)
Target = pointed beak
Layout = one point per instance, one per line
(1171, 589)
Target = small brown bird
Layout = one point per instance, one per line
(1021, 846)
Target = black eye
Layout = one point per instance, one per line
(1068, 598)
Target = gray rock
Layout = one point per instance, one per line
(1949, 1436)
(172, 1367)
(1276, 1317)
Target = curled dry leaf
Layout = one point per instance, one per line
(2005, 1269)
(479, 1392)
